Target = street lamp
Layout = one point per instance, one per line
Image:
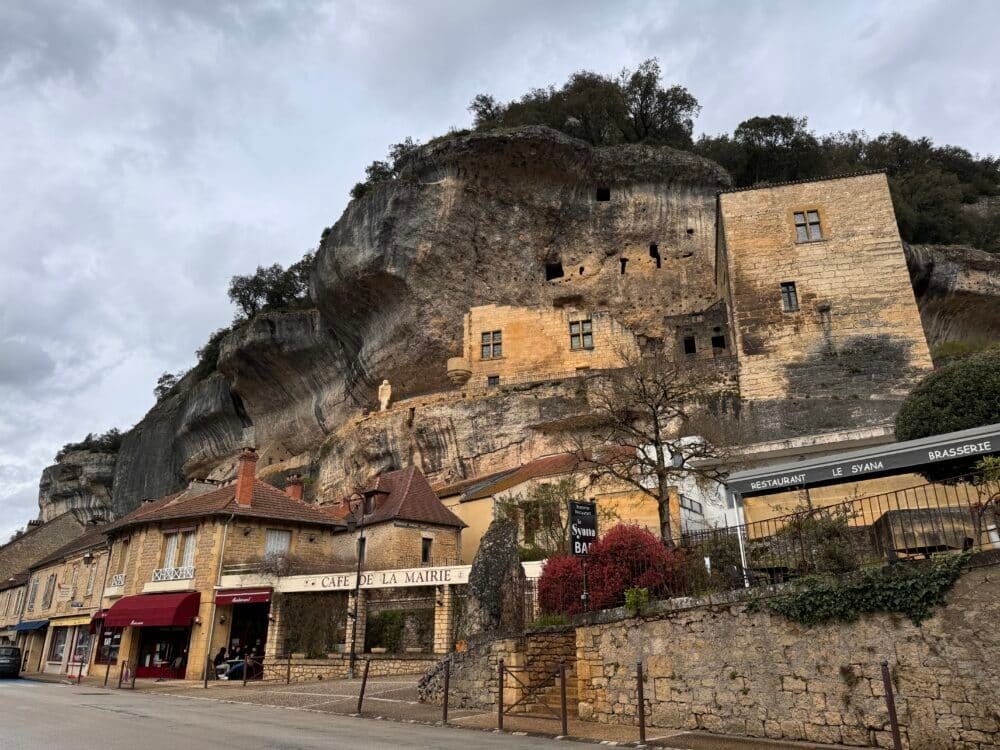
(352, 524)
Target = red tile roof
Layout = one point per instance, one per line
(267, 502)
(404, 495)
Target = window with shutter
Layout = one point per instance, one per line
(277, 542)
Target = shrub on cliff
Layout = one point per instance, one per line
(627, 557)
(108, 442)
(272, 287)
(959, 396)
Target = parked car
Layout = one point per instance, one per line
(10, 661)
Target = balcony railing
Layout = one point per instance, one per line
(118, 579)
(173, 574)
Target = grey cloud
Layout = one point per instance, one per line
(23, 364)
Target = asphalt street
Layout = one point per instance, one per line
(40, 716)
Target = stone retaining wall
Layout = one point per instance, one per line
(725, 668)
(336, 667)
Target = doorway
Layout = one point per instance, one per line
(163, 653)
(248, 635)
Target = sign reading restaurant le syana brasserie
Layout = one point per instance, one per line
(835, 471)
(377, 579)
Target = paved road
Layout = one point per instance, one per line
(44, 716)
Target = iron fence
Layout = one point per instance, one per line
(959, 515)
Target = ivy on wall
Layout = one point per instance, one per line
(912, 589)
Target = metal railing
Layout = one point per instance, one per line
(173, 574)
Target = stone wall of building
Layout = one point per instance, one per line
(397, 544)
(726, 668)
(336, 667)
(856, 332)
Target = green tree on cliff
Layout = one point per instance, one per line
(272, 287)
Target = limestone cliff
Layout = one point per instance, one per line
(80, 481)
(507, 217)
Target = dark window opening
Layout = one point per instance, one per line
(369, 505)
(553, 271)
(690, 347)
(491, 345)
(624, 262)
(718, 342)
(690, 230)
(362, 544)
(654, 253)
(492, 381)
(603, 194)
(789, 297)
(581, 270)
(425, 551)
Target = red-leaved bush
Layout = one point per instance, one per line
(628, 556)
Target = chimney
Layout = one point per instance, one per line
(245, 474)
(293, 487)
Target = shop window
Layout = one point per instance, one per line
(553, 271)
(491, 345)
(57, 647)
(789, 297)
(690, 345)
(603, 194)
(581, 334)
(277, 542)
(107, 650)
(50, 587)
(425, 550)
(492, 381)
(807, 228)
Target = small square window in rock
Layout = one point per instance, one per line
(553, 271)
(807, 228)
(581, 334)
(492, 345)
(492, 381)
(718, 342)
(690, 346)
(603, 194)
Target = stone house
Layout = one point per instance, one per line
(165, 612)
(39, 540)
(63, 594)
(12, 591)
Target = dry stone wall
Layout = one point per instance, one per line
(728, 669)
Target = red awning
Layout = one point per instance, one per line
(153, 610)
(243, 596)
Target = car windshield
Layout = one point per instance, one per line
(7, 651)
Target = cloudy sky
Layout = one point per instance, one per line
(150, 150)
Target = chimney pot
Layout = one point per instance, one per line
(246, 473)
(293, 487)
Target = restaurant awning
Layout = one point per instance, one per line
(97, 620)
(243, 596)
(29, 625)
(154, 610)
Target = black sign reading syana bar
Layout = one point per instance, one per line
(582, 527)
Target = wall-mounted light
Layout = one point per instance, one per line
(87, 558)
(222, 619)
(312, 537)
(197, 621)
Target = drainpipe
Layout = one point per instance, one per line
(218, 583)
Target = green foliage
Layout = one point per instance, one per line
(313, 623)
(952, 351)
(532, 554)
(381, 171)
(959, 396)
(549, 621)
(208, 355)
(272, 287)
(636, 600)
(632, 107)
(385, 630)
(108, 442)
(165, 384)
(911, 589)
(821, 539)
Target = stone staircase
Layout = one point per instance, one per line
(544, 702)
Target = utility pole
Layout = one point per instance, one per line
(360, 525)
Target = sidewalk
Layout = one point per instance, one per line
(395, 699)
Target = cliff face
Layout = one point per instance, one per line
(958, 291)
(81, 481)
(511, 218)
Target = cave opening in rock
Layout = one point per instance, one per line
(654, 253)
(581, 270)
(553, 271)
(690, 347)
(690, 230)
(603, 194)
(624, 262)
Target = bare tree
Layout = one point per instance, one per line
(642, 429)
